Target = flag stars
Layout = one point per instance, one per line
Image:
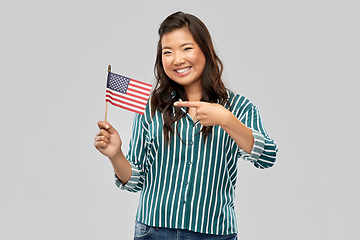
(118, 83)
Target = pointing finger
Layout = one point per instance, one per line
(194, 104)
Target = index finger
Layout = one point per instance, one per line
(194, 104)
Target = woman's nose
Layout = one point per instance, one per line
(179, 59)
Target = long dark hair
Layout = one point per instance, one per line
(166, 91)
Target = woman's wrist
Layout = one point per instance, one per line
(121, 167)
(226, 119)
(118, 157)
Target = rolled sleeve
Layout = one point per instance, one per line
(257, 150)
(134, 183)
(137, 154)
(263, 153)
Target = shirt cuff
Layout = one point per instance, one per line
(133, 181)
(257, 150)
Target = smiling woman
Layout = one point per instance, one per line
(183, 61)
(184, 150)
(187, 34)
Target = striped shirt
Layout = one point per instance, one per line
(190, 183)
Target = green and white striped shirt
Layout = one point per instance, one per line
(190, 184)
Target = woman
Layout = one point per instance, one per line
(184, 150)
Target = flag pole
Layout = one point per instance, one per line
(106, 106)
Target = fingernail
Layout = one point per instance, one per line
(106, 126)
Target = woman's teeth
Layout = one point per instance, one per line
(183, 70)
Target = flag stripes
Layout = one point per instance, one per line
(127, 93)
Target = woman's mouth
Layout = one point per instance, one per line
(183, 71)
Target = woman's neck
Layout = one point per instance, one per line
(193, 93)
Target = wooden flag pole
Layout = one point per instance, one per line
(106, 107)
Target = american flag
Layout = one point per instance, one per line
(127, 93)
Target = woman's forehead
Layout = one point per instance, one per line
(177, 37)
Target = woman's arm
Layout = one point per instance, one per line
(250, 136)
(242, 135)
(210, 114)
(108, 142)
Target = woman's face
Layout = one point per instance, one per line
(182, 58)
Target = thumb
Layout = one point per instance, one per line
(107, 126)
(110, 128)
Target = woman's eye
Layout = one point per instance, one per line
(187, 49)
(167, 52)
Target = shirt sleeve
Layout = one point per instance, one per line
(263, 153)
(136, 156)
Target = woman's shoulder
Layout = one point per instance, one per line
(238, 102)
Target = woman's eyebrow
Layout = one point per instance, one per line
(189, 43)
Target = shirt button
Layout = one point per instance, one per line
(186, 182)
(191, 143)
(190, 162)
(184, 201)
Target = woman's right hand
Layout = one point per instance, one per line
(107, 140)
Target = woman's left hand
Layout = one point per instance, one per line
(209, 114)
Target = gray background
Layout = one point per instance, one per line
(296, 60)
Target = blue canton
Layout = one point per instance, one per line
(118, 83)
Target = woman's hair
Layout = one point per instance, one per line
(167, 91)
